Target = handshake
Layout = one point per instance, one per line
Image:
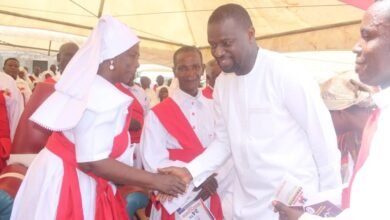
(173, 181)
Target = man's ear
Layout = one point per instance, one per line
(174, 71)
(252, 33)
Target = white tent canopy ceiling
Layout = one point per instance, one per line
(163, 26)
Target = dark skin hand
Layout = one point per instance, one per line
(287, 213)
(180, 172)
(134, 125)
(207, 188)
(120, 173)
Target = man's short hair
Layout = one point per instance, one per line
(185, 49)
(68, 44)
(11, 58)
(234, 11)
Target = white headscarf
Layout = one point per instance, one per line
(64, 108)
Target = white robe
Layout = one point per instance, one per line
(141, 96)
(156, 140)
(14, 102)
(271, 121)
(152, 98)
(24, 89)
(38, 196)
(370, 190)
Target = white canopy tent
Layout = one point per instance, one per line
(163, 26)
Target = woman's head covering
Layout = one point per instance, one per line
(345, 90)
(64, 108)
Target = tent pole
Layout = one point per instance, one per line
(101, 8)
(48, 52)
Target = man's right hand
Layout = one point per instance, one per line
(170, 184)
(207, 188)
(179, 172)
(287, 213)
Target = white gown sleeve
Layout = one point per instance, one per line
(154, 145)
(218, 151)
(94, 134)
(302, 99)
(15, 105)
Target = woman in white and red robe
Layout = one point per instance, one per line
(89, 150)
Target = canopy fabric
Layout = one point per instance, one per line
(163, 26)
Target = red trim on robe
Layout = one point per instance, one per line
(50, 80)
(208, 92)
(174, 121)
(368, 134)
(5, 132)
(137, 113)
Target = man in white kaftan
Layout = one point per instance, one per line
(270, 120)
(370, 188)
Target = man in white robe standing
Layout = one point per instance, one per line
(181, 127)
(270, 119)
(369, 187)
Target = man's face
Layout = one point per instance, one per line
(37, 71)
(22, 74)
(373, 49)
(229, 42)
(65, 55)
(11, 67)
(160, 80)
(145, 82)
(53, 68)
(163, 94)
(188, 70)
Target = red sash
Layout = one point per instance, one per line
(208, 92)
(50, 80)
(5, 132)
(137, 113)
(368, 134)
(108, 205)
(174, 121)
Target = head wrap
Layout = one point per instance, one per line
(64, 108)
(345, 90)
